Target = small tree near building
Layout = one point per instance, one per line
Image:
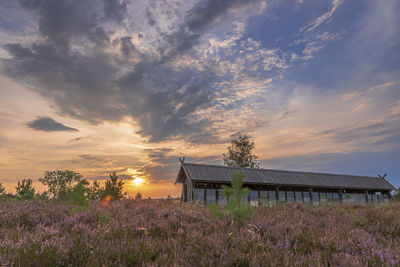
(234, 208)
(240, 153)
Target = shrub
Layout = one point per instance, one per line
(113, 188)
(234, 208)
(396, 195)
(25, 190)
(138, 196)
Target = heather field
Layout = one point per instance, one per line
(167, 233)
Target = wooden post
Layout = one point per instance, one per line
(366, 196)
(310, 191)
(277, 195)
(341, 196)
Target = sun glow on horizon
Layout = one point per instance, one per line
(138, 181)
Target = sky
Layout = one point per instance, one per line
(97, 86)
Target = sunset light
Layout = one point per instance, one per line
(138, 181)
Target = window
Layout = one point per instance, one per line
(244, 199)
(359, 198)
(264, 197)
(329, 197)
(254, 198)
(370, 198)
(290, 196)
(272, 197)
(347, 198)
(385, 198)
(299, 197)
(211, 196)
(335, 198)
(282, 197)
(199, 196)
(378, 197)
(323, 198)
(306, 197)
(221, 198)
(315, 198)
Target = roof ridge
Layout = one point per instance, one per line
(277, 170)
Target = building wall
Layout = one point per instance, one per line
(208, 193)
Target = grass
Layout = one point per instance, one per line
(169, 233)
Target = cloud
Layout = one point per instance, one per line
(324, 17)
(77, 66)
(49, 125)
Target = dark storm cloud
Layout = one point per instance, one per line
(127, 48)
(49, 125)
(88, 85)
(115, 10)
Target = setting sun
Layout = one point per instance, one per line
(138, 181)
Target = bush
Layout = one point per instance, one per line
(138, 196)
(234, 208)
(25, 190)
(396, 195)
(113, 188)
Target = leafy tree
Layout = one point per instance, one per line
(25, 190)
(240, 153)
(3, 194)
(42, 196)
(396, 195)
(113, 188)
(138, 196)
(60, 182)
(234, 208)
(95, 191)
(2, 190)
(79, 195)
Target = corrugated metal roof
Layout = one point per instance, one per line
(223, 174)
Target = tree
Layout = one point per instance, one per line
(79, 195)
(113, 188)
(2, 190)
(138, 196)
(95, 190)
(234, 208)
(240, 153)
(60, 182)
(25, 190)
(396, 195)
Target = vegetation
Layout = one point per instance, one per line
(234, 208)
(95, 191)
(396, 195)
(113, 188)
(138, 196)
(2, 190)
(168, 233)
(25, 190)
(240, 153)
(59, 183)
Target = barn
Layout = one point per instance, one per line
(202, 184)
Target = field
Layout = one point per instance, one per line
(167, 233)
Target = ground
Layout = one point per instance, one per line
(169, 233)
